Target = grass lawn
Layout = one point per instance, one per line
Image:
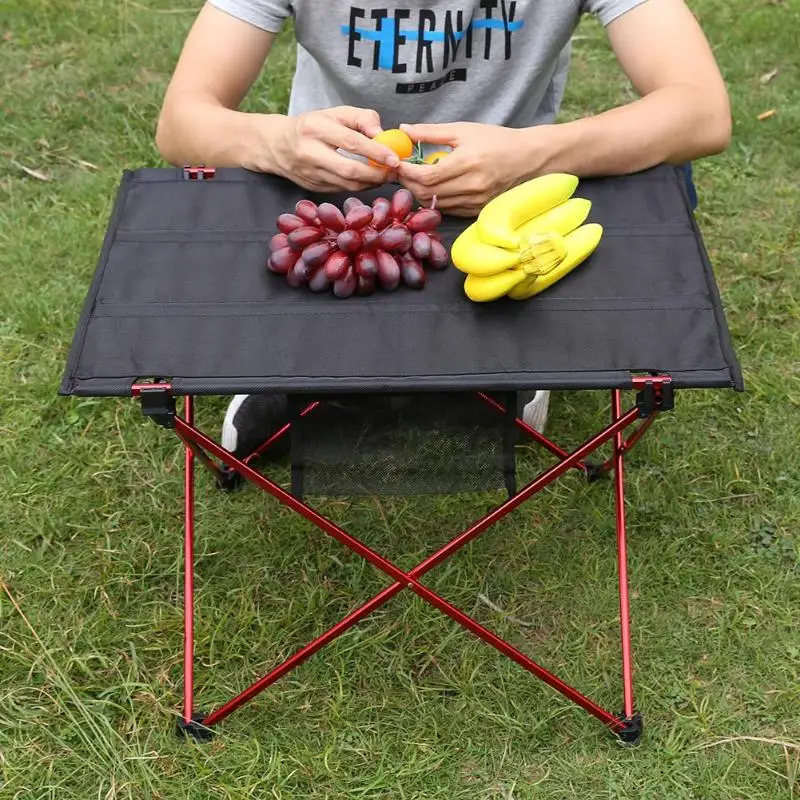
(406, 705)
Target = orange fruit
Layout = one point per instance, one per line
(434, 158)
(397, 141)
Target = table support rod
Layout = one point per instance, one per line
(622, 559)
(190, 434)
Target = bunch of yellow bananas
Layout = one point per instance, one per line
(526, 239)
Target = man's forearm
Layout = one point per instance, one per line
(674, 125)
(194, 131)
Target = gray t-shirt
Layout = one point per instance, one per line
(496, 61)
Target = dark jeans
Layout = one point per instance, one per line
(687, 171)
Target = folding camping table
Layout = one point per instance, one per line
(181, 305)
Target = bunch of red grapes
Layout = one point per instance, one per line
(382, 245)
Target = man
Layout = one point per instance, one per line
(485, 77)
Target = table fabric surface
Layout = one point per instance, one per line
(180, 292)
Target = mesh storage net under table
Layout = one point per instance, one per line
(400, 392)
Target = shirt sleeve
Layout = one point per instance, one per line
(608, 10)
(269, 15)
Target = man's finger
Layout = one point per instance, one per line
(323, 180)
(365, 120)
(336, 184)
(459, 205)
(447, 169)
(339, 135)
(454, 199)
(348, 169)
(425, 194)
(443, 133)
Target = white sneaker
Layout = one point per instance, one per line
(250, 420)
(534, 413)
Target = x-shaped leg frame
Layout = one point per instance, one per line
(655, 395)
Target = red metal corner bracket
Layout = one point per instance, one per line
(138, 388)
(200, 173)
(655, 393)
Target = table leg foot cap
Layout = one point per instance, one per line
(633, 729)
(194, 729)
(594, 471)
(228, 479)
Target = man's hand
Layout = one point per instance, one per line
(486, 160)
(200, 121)
(304, 150)
(683, 113)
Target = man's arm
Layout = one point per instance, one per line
(199, 120)
(683, 112)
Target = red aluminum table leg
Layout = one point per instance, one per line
(190, 722)
(159, 405)
(192, 436)
(188, 576)
(622, 562)
(409, 579)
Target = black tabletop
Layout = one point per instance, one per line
(181, 293)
